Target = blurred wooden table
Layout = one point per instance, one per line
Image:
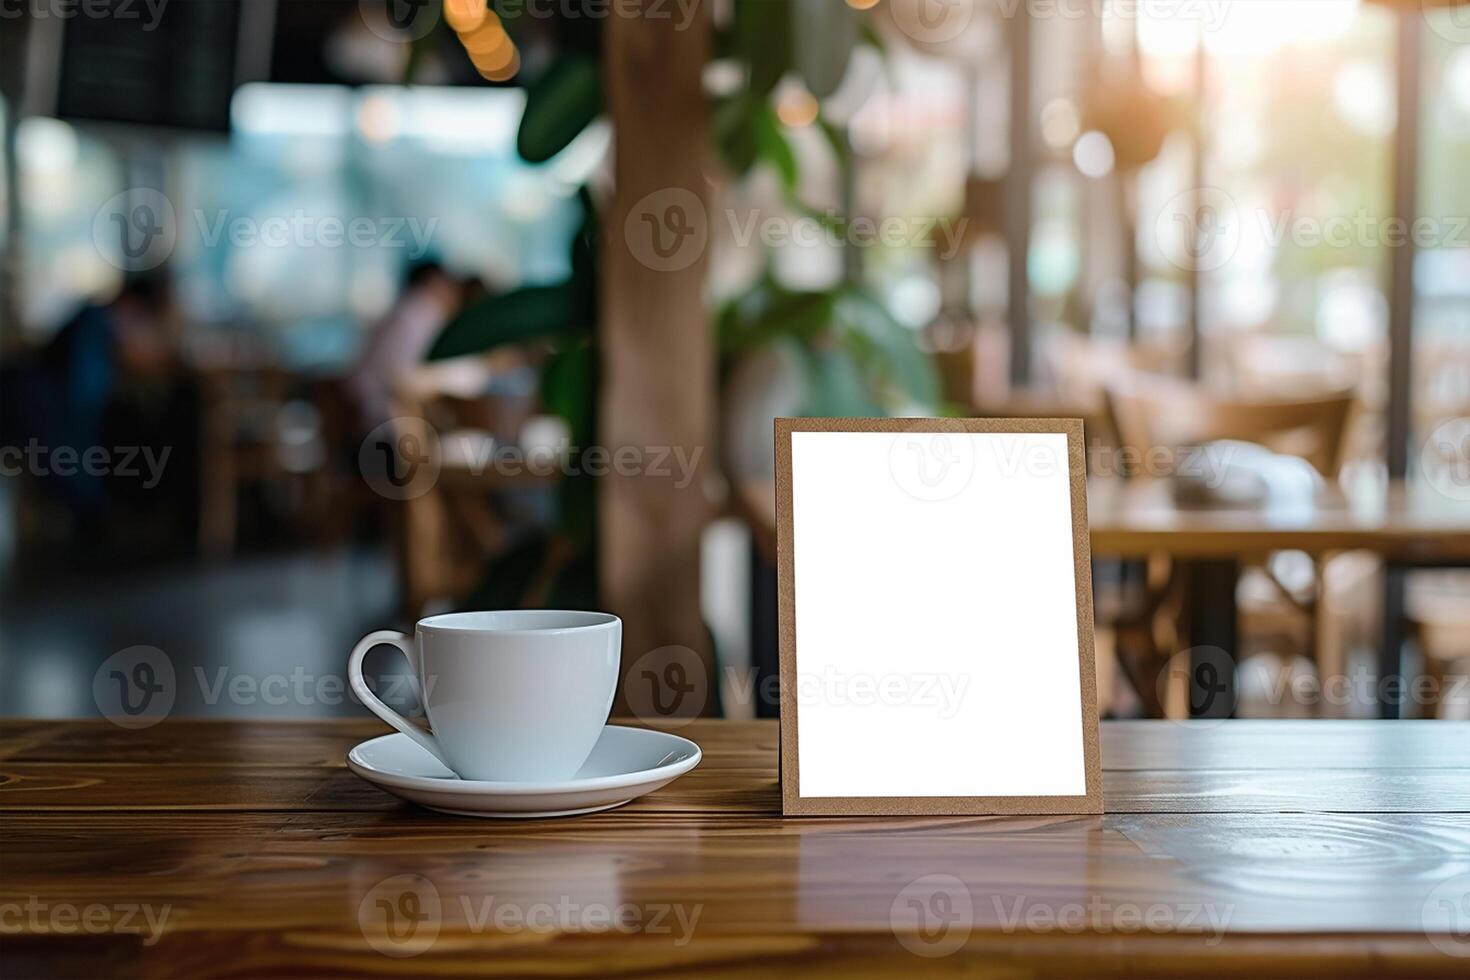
(1407, 524)
(1136, 518)
(1400, 521)
(214, 849)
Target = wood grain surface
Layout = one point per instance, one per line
(243, 849)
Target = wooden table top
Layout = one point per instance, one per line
(1281, 848)
(1134, 518)
(1406, 521)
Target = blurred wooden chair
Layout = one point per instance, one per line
(1439, 602)
(1268, 365)
(1151, 411)
(447, 533)
(241, 405)
(1439, 614)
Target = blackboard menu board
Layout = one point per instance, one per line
(172, 65)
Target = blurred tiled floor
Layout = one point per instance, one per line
(264, 636)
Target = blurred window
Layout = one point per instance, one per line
(1442, 267)
(300, 226)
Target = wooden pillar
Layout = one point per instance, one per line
(1405, 209)
(12, 69)
(1018, 200)
(1400, 339)
(657, 358)
(1200, 140)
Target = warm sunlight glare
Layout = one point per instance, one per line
(1241, 27)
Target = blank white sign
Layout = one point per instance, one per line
(936, 615)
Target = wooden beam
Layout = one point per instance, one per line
(1400, 337)
(1405, 208)
(1200, 139)
(657, 358)
(12, 72)
(1018, 200)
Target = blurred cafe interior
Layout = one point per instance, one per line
(319, 316)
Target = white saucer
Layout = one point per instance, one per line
(625, 764)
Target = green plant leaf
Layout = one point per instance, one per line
(559, 105)
(569, 390)
(871, 36)
(768, 311)
(531, 313)
(762, 41)
(887, 346)
(734, 130)
(823, 34)
(841, 147)
(835, 385)
(773, 147)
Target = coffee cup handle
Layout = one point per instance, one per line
(408, 646)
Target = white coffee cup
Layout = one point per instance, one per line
(516, 695)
